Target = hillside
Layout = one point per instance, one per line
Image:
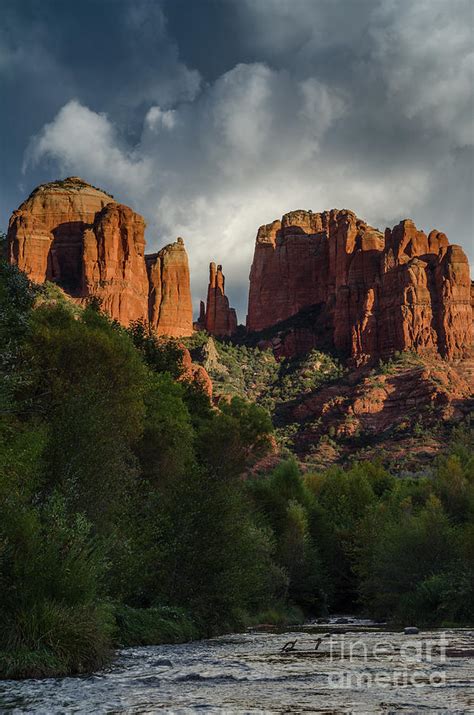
(400, 411)
(358, 342)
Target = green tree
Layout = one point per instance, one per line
(343, 499)
(89, 384)
(286, 506)
(400, 549)
(210, 554)
(160, 354)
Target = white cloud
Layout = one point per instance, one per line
(264, 139)
(424, 52)
(88, 142)
(211, 170)
(157, 118)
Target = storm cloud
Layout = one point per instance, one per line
(212, 118)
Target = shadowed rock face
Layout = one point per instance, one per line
(45, 232)
(77, 236)
(378, 294)
(218, 318)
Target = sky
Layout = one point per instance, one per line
(212, 117)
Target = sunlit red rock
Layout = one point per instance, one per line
(195, 374)
(79, 237)
(374, 294)
(45, 232)
(113, 265)
(170, 304)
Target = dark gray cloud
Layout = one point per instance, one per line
(114, 56)
(215, 116)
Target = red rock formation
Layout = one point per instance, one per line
(77, 236)
(423, 299)
(219, 318)
(170, 305)
(386, 407)
(195, 374)
(404, 291)
(45, 232)
(454, 315)
(113, 265)
(201, 321)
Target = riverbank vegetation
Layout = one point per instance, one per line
(129, 513)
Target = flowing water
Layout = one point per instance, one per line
(357, 668)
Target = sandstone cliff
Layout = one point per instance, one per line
(170, 305)
(372, 294)
(218, 318)
(112, 261)
(80, 238)
(45, 232)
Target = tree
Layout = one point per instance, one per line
(89, 384)
(343, 499)
(399, 550)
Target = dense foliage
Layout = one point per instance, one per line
(120, 490)
(126, 516)
(255, 373)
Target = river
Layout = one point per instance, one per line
(358, 667)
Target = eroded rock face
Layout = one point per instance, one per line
(113, 264)
(376, 294)
(218, 318)
(45, 232)
(170, 305)
(195, 374)
(79, 237)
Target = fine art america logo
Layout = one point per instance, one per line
(411, 663)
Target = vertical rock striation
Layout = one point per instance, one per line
(113, 264)
(376, 293)
(45, 232)
(79, 237)
(170, 305)
(218, 318)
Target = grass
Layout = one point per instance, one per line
(152, 626)
(50, 639)
(282, 616)
(23, 663)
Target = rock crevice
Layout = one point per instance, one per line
(377, 293)
(80, 238)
